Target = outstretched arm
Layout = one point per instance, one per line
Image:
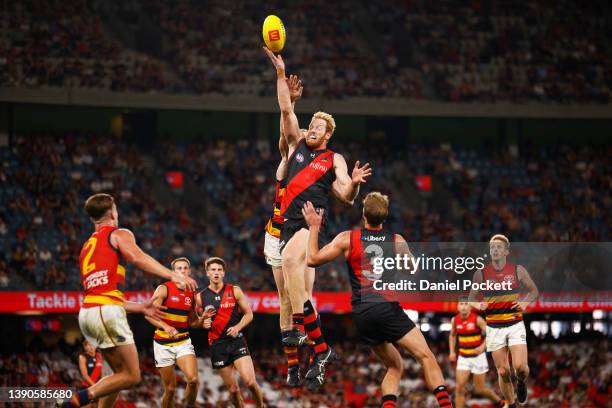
(339, 245)
(473, 297)
(346, 187)
(291, 127)
(124, 241)
(295, 92)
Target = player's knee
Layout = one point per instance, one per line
(192, 379)
(479, 389)
(522, 370)
(232, 388)
(460, 388)
(170, 389)
(250, 382)
(504, 372)
(133, 379)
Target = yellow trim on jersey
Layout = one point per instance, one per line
(161, 333)
(467, 350)
(502, 298)
(503, 316)
(469, 339)
(176, 343)
(175, 318)
(102, 300)
(120, 270)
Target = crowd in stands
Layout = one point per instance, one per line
(564, 373)
(478, 51)
(553, 193)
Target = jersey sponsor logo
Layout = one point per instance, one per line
(371, 238)
(318, 167)
(174, 298)
(227, 305)
(96, 279)
(470, 325)
(299, 157)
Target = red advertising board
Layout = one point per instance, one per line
(267, 302)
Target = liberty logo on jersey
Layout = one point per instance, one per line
(318, 167)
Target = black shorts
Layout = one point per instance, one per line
(225, 352)
(291, 226)
(381, 322)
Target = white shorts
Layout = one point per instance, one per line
(166, 355)
(272, 251)
(105, 326)
(475, 365)
(499, 337)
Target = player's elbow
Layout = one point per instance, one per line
(311, 261)
(286, 111)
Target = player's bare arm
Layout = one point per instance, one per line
(125, 242)
(346, 187)
(147, 308)
(482, 325)
(247, 316)
(161, 292)
(474, 296)
(289, 119)
(533, 292)
(339, 245)
(452, 342)
(402, 248)
(83, 370)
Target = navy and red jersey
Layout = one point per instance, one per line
(366, 244)
(179, 303)
(469, 335)
(102, 275)
(94, 367)
(310, 175)
(499, 311)
(228, 312)
(275, 222)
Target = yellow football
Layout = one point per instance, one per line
(274, 33)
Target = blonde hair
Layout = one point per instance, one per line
(329, 120)
(375, 208)
(502, 238)
(183, 259)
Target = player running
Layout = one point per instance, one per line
(171, 342)
(228, 347)
(272, 247)
(380, 323)
(504, 317)
(468, 331)
(102, 317)
(90, 366)
(313, 172)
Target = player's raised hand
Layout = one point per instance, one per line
(295, 87)
(312, 217)
(359, 174)
(184, 281)
(152, 310)
(277, 60)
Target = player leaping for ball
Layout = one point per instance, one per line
(102, 317)
(272, 247)
(504, 316)
(313, 172)
(381, 323)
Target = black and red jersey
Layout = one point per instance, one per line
(310, 175)
(94, 367)
(228, 312)
(366, 244)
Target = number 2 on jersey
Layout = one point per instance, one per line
(91, 247)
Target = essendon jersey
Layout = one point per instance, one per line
(276, 221)
(94, 367)
(499, 312)
(310, 175)
(365, 245)
(469, 335)
(228, 312)
(103, 278)
(179, 303)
